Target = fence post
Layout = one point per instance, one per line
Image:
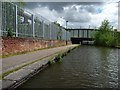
(16, 21)
(43, 28)
(50, 31)
(0, 18)
(33, 25)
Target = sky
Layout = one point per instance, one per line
(78, 14)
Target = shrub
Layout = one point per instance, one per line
(105, 35)
(10, 32)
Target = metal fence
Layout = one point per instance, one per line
(20, 23)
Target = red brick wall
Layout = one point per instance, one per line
(16, 45)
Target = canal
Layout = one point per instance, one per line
(84, 67)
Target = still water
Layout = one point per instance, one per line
(84, 67)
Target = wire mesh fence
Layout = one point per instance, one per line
(17, 22)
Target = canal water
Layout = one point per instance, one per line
(84, 67)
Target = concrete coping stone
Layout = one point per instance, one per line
(18, 75)
(33, 66)
(7, 83)
(44, 62)
(25, 71)
(37, 64)
(0, 84)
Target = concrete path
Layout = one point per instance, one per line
(16, 61)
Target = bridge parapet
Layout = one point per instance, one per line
(82, 33)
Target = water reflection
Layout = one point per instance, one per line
(84, 67)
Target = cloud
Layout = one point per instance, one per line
(110, 12)
(89, 8)
(58, 6)
(46, 13)
(74, 14)
(78, 14)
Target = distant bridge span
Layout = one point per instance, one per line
(81, 35)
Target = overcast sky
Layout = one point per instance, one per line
(78, 14)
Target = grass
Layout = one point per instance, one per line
(1, 77)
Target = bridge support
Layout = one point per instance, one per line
(81, 42)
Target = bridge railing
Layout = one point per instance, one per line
(82, 33)
(24, 24)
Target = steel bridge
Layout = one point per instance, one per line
(82, 36)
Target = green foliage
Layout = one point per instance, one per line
(105, 26)
(52, 61)
(118, 39)
(10, 32)
(105, 36)
(60, 59)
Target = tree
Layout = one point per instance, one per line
(105, 26)
(105, 35)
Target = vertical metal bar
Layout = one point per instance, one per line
(87, 33)
(16, 21)
(50, 31)
(5, 19)
(43, 28)
(1, 40)
(33, 25)
(73, 33)
(78, 34)
(0, 18)
(118, 40)
(82, 33)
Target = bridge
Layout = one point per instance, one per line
(82, 36)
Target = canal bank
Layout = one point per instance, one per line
(84, 67)
(18, 69)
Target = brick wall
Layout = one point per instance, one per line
(17, 45)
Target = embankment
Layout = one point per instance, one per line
(18, 76)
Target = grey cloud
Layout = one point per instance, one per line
(73, 16)
(58, 6)
(31, 5)
(89, 8)
(77, 18)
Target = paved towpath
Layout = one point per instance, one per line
(15, 61)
